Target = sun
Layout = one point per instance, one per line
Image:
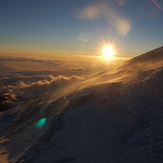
(108, 52)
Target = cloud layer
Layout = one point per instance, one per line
(25, 88)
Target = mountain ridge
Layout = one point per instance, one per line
(111, 121)
(150, 58)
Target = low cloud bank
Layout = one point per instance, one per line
(26, 90)
(52, 62)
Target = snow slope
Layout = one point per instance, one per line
(110, 117)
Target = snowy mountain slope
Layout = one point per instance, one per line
(111, 122)
(114, 116)
(149, 60)
(114, 122)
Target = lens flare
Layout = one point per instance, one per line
(121, 2)
(157, 5)
(40, 123)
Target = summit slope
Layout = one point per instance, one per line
(114, 122)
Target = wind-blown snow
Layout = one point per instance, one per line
(112, 116)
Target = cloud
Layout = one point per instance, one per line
(107, 11)
(48, 80)
(52, 62)
(19, 90)
(79, 68)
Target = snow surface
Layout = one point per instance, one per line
(110, 117)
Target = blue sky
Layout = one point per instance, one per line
(60, 26)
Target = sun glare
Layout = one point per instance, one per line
(108, 52)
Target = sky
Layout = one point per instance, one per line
(81, 26)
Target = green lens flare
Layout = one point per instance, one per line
(40, 123)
